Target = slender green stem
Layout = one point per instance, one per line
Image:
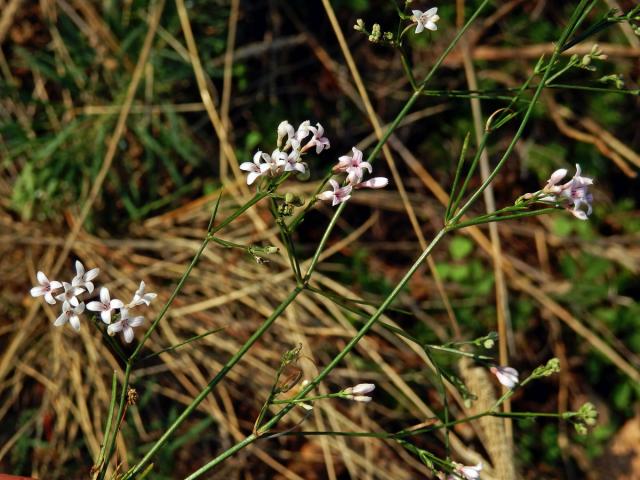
(407, 68)
(480, 149)
(220, 375)
(309, 399)
(470, 172)
(286, 240)
(445, 400)
(111, 442)
(463, 153)
(312, 201)
(334, 362)
(182, 344)
(132, 358)
(422, 431)
(556, 53)
(323, 241)
(107, 428)
(501, 218)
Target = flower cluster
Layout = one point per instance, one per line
(573, 194)
(287, 157)
(73, 305)
(354, 167)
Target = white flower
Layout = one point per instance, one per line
(275, 163)
(71, 315)
(375, 182)
(303, 131)
(69, 294)
(105, 306)
(45, 288)
(83, 279)
(125, 325)
(507, 376)
(140, 298)
(357, 393)
(426, 19)
(470, 472)
(353, 166)
(254, 168)
(294, 163)
(318, 140)
(338, 195)
(285, 128)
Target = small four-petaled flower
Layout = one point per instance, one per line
(70, 314)
(83, 279)
(70, 294)
(45, 288)
(105, 306)
(353, 166)
(338, 195)
(125, 325)
(426, 19)
(141, 298)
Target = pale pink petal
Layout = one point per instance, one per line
(326, 196)
(127, 332)
(42, 278)
(557, 176)
(48, 297)
(37, 291)
(252, 177)
(114, 328)
(115, 303)
(136, 321)
(61, 320)
(106, 316)
(91, 274)
(95, 306)
(74, 320)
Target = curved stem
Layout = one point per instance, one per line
(333, 364)
(220, 375)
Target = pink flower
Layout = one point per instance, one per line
(338, 195)
(105, 306)
(575, 192)
(318, 140)
(507, 376)
(45, 288)
(353, 166)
